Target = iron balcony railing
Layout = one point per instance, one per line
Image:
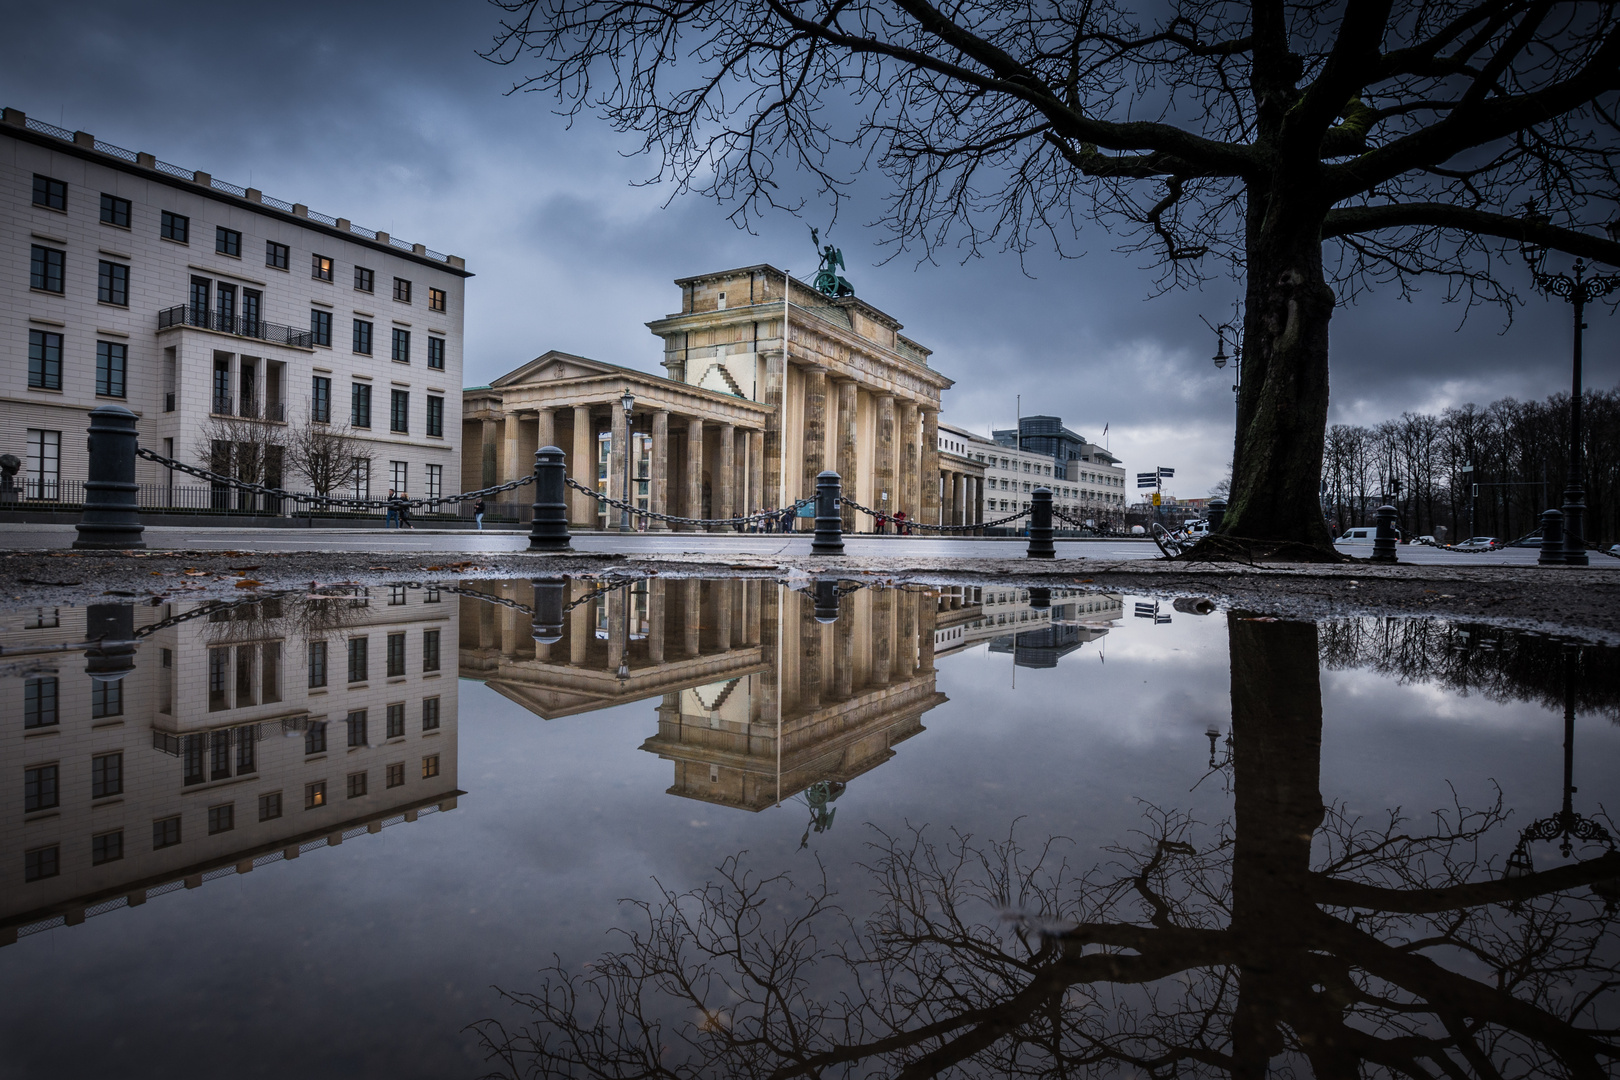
(189, 315)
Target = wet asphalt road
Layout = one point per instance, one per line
(35, 537)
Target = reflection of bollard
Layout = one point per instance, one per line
(1552, 538)
(1040, 599)
(826, 598)
(1040, 525)
(1384, 539)
(1194, 606)
(549, 530)
(548, 609)
(1217, 514)
(829, 538)
(111, 517)
(112, 627)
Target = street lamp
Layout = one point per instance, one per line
(1237, 354)
(629, 403)
(1579, 290)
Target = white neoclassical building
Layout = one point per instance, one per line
(199, 305)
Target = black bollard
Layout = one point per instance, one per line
(549, 530)
(112, 627)
(829, 539)
(1384, 550)
(1040, 525)
(548, 609)
(1552, 538)
(826, 598)
(1217, 514)
(111, 517)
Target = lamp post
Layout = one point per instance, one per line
(1237, 354)
(1579, 290)
(629, 403)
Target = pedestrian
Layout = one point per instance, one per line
(478, 513)
(787, 518)
(767, 522)
(391, 519)
(900, 528)
(405, 511)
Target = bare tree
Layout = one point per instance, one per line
(248, 450)
(324, 454)
(1402, 136)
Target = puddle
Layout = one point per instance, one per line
(991, 830)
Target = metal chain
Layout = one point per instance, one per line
(931, 528)
(324, 500)
(653, 514)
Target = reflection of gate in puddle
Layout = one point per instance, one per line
(219, 744)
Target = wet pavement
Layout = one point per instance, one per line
(982, 830)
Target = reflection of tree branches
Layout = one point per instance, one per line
(278, 617)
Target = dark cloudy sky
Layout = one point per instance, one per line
(384, 113)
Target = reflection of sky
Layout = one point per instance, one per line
(371, 958)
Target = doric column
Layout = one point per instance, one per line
(583, 467)
(617, 456)
(884, 474)
(694, 471)
(579, 628)
(753, 602)
(725, 478)
(809, 657)
(905, 441)
(756, 472)
(927, 617)
(775, 379)
(905, 634)
(692, 594)
(488, 449)
(660, 468)
(815, 427)
(882, 636)
(616, 602)
(844, 652)
(930, 465)
(511, 468)
(847, 391)
(655, 621)
(722, 612)
(740, 506)
(545, 433)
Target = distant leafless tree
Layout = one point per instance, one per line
(1290, 144)
(324, 454)
(252, 451)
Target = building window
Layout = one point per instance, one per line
(40, 702)
(364, 280)
(315, 737)
(360, 405)
(436, 352)
(192, 757)
(320, 399)
(357, 784)
(46, 269)
(221, 818)
(362, 337)
(275, 255)
(247, 744)
(320, 327)
(399, 411)
(176, 227)
(227, 242)
(430, 714)
(435, 417)
(112, 360)
(315, 795)
(39, 788)
(399, 471)
(402, 346)
(320, 267)
(49, 193)
(219, 755)
(357, 659)
(396, 721)
(165, 832)
(106, 698)
(317, 664)
(361, 488)
(436, 299)
(396, 774)
(270, 806)
(114, 211)
(402, 290)
(430, 650)
(430, 766)
(357, 728)
(396, 655)
(107, 847)
(112, 284)
(106, 775)
(41, 863)
(44, 360)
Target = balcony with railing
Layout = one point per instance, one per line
(248, 409)
(236, 325)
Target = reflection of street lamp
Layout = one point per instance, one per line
(624, 624)
(1579, 290)
(629, 403)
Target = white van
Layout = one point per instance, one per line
(1363, 535)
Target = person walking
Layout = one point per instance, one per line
(478, 513)
(405, 511)
(391, 518)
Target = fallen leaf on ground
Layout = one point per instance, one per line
(248, 583)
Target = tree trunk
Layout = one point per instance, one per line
(1282, 403)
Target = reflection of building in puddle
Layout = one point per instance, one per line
(211, 745)
(759, 700)
(1037, 629)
